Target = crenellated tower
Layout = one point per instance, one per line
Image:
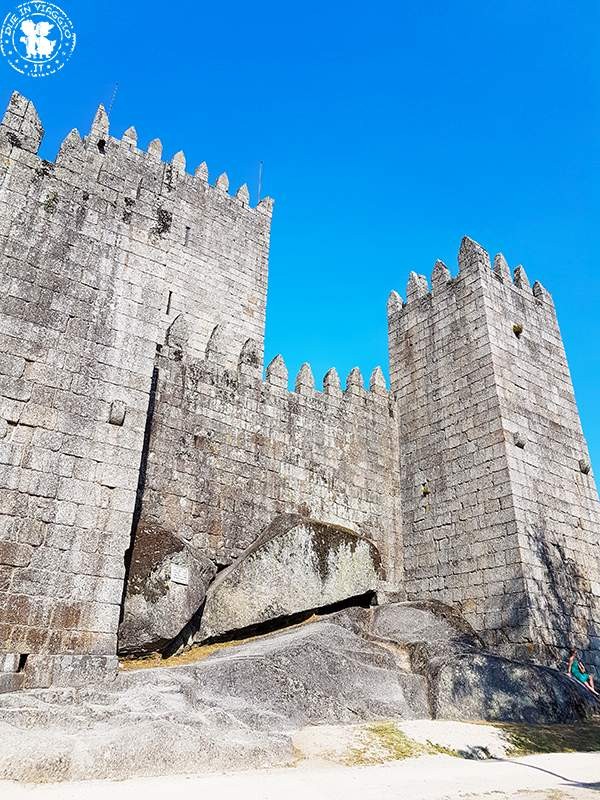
(100, 251)
(500, 510)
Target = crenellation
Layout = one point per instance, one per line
(243, 195)
(377, 382)
(130, 138)
(472, 257)
(155, 149)
(354, 382)
(394, 303)
(222, 183)
(331, 383)
(440, 277)
(21, 125)
(541, 294)
(100, 126)
(501, 269)
(417, 287)
(277, 373)
(178, 162)
(305, 382)
(521, 280)
(202, 172)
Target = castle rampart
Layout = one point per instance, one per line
(229, 453)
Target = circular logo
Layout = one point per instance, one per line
(37, 39)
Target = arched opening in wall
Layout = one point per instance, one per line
(517, 329)
(102, 146)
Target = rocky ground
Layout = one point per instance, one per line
(244, 706)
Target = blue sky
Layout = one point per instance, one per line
(387, 131)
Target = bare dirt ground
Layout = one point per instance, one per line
(563, 776)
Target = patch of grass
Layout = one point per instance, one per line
(190, 656)
(583, 737)
(385, 742)
(195, 653)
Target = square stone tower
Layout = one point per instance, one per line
(100, 251)
(499, 506)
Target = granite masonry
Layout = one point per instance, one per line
(155, 489)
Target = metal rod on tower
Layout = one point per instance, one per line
(260, 172)
(112, 99)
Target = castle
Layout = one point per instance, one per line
(155, 489)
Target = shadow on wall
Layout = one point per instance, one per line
(562, 605)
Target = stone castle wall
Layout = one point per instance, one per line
(99, 252)
(229, 453)
(554, 496)
(500, 513)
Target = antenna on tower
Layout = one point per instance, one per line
(112, 99)
(260, 172)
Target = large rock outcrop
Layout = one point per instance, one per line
(240, 706)
(237, 709)
(296, 565)
(166, 586)
(465, 681)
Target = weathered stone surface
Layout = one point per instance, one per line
(296, 565)
(241, 706)
(148, 730)
(236, 709)
(503, 527)
(100, 252)
(166, 587)
(466, 682)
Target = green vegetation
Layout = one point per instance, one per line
(51, 202)
(583, 737)
(384, 742)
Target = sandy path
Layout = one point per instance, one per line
(564, 775)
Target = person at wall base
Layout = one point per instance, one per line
(576, 669)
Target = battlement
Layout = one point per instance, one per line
(155, 231)
(248, 373)
(23, 129)
(473, 263)
(237, 448)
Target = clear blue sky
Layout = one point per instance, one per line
(388, 130)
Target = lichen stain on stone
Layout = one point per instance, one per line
(164, 220)
(50, 204)
(152, 546)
